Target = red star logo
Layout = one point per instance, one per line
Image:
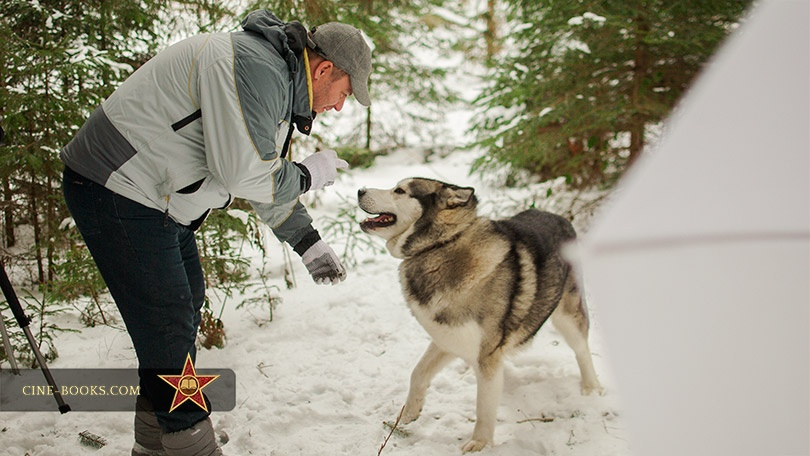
(188, 385)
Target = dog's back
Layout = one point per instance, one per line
(541, 276)
(545, 231)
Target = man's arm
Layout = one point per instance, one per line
(292, 224)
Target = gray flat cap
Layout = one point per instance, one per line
(344, 46)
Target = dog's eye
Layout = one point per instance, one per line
(399, 191)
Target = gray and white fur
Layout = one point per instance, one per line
(481, 288)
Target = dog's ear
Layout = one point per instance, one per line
(454, 196)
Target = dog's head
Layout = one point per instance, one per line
(407, 216)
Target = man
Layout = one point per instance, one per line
(204, 121)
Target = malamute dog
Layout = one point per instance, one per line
(481, 288)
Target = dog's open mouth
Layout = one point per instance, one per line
(380, 221)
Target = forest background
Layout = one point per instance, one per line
(572, 89)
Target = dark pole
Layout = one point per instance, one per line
(23, 321)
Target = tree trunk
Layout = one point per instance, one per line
(33, 209)
(491, 33)
(52, 226)
(8, 204)
(640, 69)
(8, 213)
(368, 128)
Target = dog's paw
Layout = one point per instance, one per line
(474, 445)
(410, 413)
(588, 389)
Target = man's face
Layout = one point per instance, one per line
(328, 92)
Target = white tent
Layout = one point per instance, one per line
(700, 268)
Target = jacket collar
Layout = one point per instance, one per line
(289, 39)
(303, 115)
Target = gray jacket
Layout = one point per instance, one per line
(206, 120)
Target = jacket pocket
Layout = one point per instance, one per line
(189, 189)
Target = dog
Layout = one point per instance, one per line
(481, 288)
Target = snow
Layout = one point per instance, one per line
(579, 20)
(335, 361)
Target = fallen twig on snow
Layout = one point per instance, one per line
(393, 428)
(544, 419)
(87, 438)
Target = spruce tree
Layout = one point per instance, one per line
(61, 58)
(584, 81)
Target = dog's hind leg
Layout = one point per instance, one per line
(434, 360)
(489, 376)
(571, 320)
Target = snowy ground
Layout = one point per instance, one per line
(334, 364)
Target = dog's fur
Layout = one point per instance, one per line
(480, 288)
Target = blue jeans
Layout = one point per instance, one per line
(152, 269)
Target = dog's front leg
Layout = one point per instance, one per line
(489, 375)
(431, 363)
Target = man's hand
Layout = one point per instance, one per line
(323, 264)
(322, 168)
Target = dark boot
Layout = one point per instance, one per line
(147, 430)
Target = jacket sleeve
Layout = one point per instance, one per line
(290, 222)
(242, 101)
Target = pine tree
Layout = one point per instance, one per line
(61, 58)
(586, 79)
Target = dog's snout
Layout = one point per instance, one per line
(361, 192)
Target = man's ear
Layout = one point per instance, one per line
(323, 69)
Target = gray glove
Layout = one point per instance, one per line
(323, 264)
(322, 167)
